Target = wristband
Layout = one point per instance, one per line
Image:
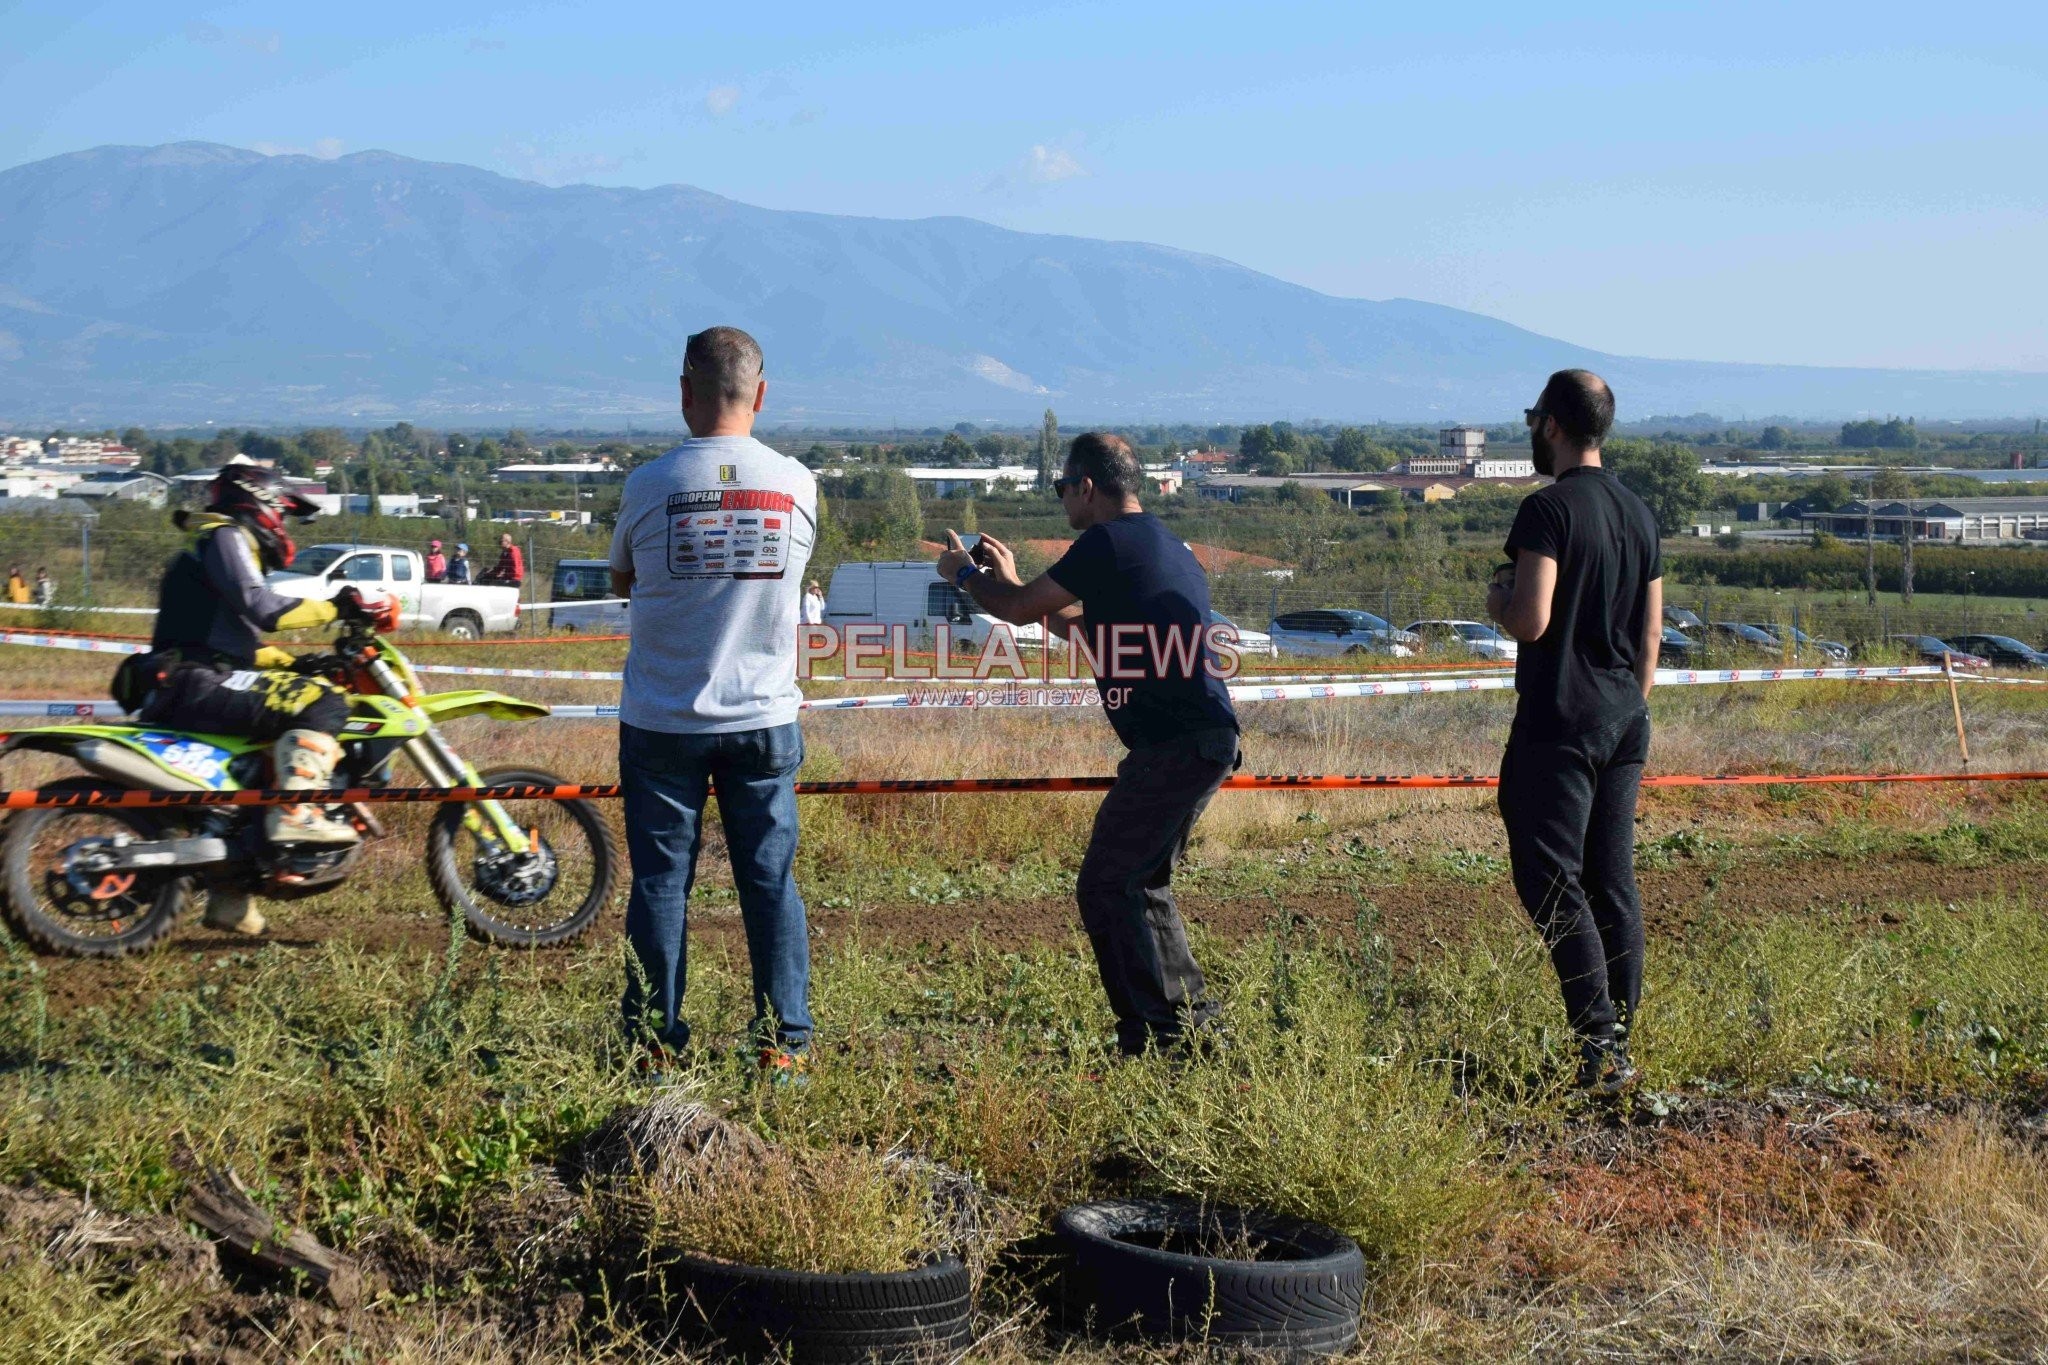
(963, 573)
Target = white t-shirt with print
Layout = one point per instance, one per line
(716, 534)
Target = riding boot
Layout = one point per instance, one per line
(305, 762)
(228, 909)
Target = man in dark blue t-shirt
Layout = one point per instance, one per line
(1141, 602)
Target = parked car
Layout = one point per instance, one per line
(1250, 643)
(587, 583)
(1475, 638)
(905, 593)
(1683, 619)
(1677, 649)
(2002, 650)
(1805, 644)
(1744, 639)
(465, 610)
(1931, 648)
(1339, 630)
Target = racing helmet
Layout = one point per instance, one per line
(256, 496)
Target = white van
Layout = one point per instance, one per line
(586, 581)
(910, 593)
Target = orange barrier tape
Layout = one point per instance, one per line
(115, 796)
(494, 642)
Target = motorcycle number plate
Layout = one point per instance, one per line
(194, 758)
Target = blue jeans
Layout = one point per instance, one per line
(666, 778)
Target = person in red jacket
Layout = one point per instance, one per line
(437, 563)
(511, 565)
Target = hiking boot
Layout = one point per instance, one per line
(229, 910)
(305, 760)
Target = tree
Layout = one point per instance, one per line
(1890, 434)
(1773, 438)
(965, 429)
(1256, 444)
(1664, 474)
(991, 449)
(1830, 491)
(1353, 450)
(954, 452)
(1048, 448)
(375, 510)
(1891, 483)
(902, 523)
(970, 520)
(817, 457)
(326, 445)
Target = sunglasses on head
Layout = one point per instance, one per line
(1065, 485)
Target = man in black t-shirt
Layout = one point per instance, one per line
(1585, 596)
(1142, 603)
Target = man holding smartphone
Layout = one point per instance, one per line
(1128, 576)
(1585, 596)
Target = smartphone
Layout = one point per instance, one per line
(1504, 574)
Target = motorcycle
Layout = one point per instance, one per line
(104, 881)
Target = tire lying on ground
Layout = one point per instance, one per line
(812, 1319)
(1163, 1269)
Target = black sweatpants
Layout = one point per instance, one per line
(1570, 810)
(1125, 887)
(261, 703)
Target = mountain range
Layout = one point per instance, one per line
(193, 281)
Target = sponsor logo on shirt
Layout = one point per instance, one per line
(750, 521)
(728, 473)
(771, 521)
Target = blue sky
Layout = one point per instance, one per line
(1811, 183)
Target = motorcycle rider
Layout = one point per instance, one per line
(208, 669)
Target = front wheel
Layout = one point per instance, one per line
(546, 896)
(61, 906)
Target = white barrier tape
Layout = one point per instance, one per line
(573, 674)
(23, 637)
(117, 611)
(592, 602)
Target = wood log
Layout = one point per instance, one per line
(220, 1203)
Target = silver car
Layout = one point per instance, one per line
(1339, 630)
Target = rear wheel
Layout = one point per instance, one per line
(547, 896)
(61, 908)
(462, 625)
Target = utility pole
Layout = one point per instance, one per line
(1869, 544)
(1906, 558)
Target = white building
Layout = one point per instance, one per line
(952, 483)
(1461, 452)
(568, 471)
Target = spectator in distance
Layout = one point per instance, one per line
(1585, 596)
(458, 564)
(437, 563)
(17, 587)
(511, 565)
(46, 591)
(711, 545)
(1171, 711)
(814, 604)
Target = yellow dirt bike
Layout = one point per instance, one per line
(103, 881)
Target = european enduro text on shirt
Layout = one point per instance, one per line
(729, 533)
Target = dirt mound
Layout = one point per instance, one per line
(75, 1234)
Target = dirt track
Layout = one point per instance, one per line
(1679, 902)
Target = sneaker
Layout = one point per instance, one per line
(658, 1064)
(1604, 1066)
(780, 1066)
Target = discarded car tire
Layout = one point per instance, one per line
(754, 1312)
(1138, 1273)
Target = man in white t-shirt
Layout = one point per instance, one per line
(711, 545)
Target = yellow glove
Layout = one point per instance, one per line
(306, 615)
(270, 656)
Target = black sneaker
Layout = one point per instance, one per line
(1604, 1065)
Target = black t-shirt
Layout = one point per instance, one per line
(1581, 675)
(1133, 572)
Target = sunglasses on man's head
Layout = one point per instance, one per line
(1064, 485)
(1531, 416)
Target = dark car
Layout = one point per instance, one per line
(1835, 651)
(1931, 650)
(1683, 619)
(1677, 649)
(1746, 639)
(2002, 650)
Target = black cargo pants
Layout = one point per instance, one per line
(1141, 830)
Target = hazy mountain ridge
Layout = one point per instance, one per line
(195, 281)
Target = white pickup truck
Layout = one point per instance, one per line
(466, 611)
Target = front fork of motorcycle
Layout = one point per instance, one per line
(443, 767)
